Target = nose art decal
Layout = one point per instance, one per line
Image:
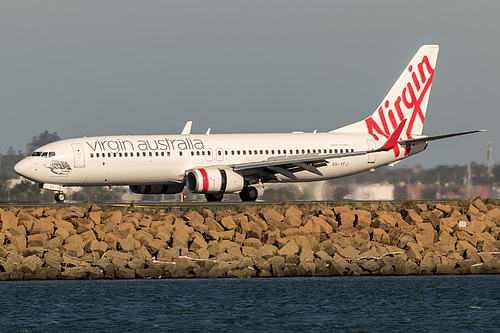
(59, 167)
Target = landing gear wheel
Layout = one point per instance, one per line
(249, 193)
(214, 196)
(60, 197)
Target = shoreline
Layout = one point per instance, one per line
(87, 242)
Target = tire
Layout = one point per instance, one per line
(249, 193)
(60, 197)
(213, 197)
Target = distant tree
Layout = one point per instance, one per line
(7, 163)
(496, 173)
(27, 191)
(40, 140)
(97, 193)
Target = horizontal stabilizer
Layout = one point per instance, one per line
(435, 137)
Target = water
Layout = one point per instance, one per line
(342, 304)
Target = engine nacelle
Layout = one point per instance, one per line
(213, 180)
(157, 189)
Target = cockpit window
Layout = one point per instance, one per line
(44, 154)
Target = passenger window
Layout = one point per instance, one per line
(267, 152)
(262, 152)
(279, 151)
(120, 154)
(91, 155)
(255, 152)
(156, 154)
(168, 153)
(180, 153)
(192, 153)
(238, 152)
(244, 152)
(249, 152)
(309, 151)
(219, 153)
(208, 152)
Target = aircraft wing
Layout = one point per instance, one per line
(288, 165)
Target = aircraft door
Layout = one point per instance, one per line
(219, 154)
(371, 156)
(79, 155)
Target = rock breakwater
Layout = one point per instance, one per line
(250, 241)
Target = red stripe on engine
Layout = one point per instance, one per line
(147, 189)
(205, 180)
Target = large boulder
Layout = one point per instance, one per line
(293, 216)
(271, 216)
(30, 264)
(315, 225)
(290, 249)
(228, 223)
(43, 226)
(8, 219)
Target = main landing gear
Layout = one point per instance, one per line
(60, 197)
(248, 193)
(212, 197)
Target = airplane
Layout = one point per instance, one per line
(215, 164)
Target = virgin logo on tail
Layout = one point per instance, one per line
(407, 104)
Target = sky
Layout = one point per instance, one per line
(85, 68)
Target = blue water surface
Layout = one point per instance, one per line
(340, 304)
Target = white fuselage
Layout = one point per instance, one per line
(160, 159)
(215, 164)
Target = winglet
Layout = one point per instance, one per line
(393, 139)
(187, 128)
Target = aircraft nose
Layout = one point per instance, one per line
(23, 168)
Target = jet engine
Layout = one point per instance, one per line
(213, 180)
(157, 189)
